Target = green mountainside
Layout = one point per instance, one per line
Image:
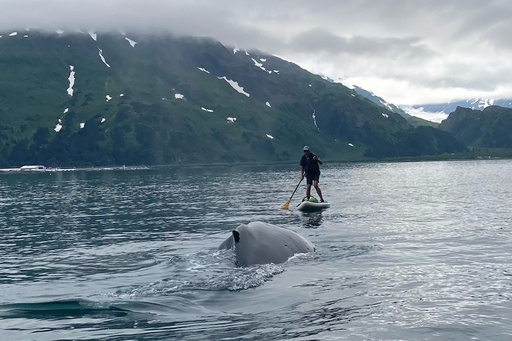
(416, 122)
(113, 99)
(490, 128)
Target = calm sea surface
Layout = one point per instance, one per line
(407, 251)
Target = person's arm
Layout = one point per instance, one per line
(302, 163)
(317, 159)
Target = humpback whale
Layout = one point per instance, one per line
(262, 243)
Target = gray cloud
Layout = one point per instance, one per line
(318, 40)
(429, 46)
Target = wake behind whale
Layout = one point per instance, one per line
(262, 243)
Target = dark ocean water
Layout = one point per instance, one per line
(407, 251)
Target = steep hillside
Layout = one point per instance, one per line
(412, 120)
(380, 101)
(489, 128)
(101, 99)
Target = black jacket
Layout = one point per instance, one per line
(310, 166)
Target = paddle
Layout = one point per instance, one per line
(287, 204)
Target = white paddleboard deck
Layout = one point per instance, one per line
(308, 206)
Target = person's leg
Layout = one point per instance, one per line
(315, 184)
(309, 181)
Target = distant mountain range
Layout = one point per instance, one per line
(87, 98)
(437, 112)
(433, 112)
(475, 104)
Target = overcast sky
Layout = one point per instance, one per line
(406, 51)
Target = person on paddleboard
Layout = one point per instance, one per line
(310, 167)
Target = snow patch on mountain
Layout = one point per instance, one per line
(103, 58)
(58, 126)
(71, 79)
(386, 104)
(482, 102)
(235, 86)
(420, 112)
(132, 42)
(260, 65)
(313, 115)
(93, 35)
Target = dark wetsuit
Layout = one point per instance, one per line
(311, 168)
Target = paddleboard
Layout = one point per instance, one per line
(308, 206)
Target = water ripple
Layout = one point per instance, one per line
(415, 251)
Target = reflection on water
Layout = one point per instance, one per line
(312, 219)
(406, 251)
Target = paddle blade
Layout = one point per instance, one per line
(286, 205)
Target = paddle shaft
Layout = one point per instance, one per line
(302, 177)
